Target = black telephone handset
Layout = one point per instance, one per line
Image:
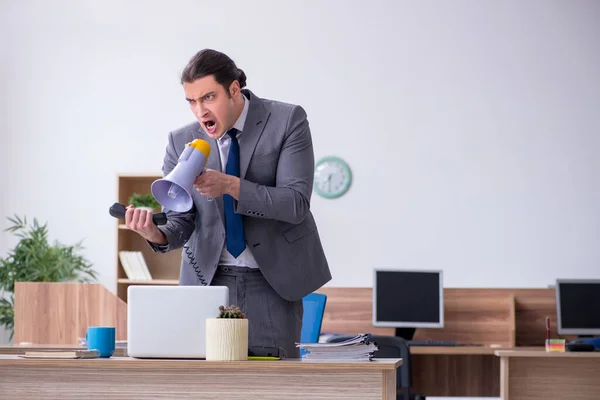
(118, 210)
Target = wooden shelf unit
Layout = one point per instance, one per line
(164, 268)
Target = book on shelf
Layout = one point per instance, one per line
(134, 265)
(357, 348)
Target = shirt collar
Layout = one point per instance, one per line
(239, 124)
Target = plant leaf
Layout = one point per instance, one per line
(34, 259)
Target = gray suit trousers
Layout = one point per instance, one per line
(272, 320)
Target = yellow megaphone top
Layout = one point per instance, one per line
(201, 145)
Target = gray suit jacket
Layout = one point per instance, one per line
(276, 178)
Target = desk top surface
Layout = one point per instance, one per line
(542, 353)
(464, 350)
(127, 362)
(423, 350)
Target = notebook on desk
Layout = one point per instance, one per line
(61, 354)
(170, 321)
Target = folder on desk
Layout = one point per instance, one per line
(358, 348)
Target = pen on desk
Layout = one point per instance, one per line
(547, 328)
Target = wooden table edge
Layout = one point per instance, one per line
(381, 364)
(546, 354)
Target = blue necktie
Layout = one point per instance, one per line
(234, 227)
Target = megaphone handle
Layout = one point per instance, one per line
(117, 210)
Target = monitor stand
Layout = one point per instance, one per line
(583, 338)
(405, 333)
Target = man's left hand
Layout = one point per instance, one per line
(213, 183)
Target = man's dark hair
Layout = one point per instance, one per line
(211, 62)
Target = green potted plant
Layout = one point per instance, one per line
(227, 335)
(34, 259)
(144, 201)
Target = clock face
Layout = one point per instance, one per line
(332, 177)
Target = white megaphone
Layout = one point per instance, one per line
(174, 190)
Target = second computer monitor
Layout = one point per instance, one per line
(578, 307)
(408, 299)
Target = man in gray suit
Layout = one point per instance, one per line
(251, 227)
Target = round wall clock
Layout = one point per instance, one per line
(332, 177)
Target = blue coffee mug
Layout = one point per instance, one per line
(101, 338)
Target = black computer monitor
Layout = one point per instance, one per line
(578, 307)
(408, 299)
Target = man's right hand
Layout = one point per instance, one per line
(140, 221)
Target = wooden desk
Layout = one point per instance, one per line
(465, 371)
(455, 371)
(128, 378)
(455, 350)
(527, 374)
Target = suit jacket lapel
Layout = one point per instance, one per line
(214, 162)
(253, 128)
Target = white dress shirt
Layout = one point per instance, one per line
(245, 259)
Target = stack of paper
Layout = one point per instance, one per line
(358, 348)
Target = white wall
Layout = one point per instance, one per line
(471, 127)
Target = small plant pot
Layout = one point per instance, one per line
(226, 339)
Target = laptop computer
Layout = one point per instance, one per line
(169, 321)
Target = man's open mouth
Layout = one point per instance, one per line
(210, 125)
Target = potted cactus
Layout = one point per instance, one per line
(227, 335)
